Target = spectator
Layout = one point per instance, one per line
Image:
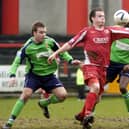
(80, 84)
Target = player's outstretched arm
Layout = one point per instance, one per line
(64, 48)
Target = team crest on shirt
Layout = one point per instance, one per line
(46, 45)
(43, 54)
(101, 40)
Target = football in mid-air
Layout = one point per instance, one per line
(121, 16)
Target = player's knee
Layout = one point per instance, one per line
(126, 68)
(95, 89)
(62, 96)
(61, 93)
(123, 90)
(25, 96)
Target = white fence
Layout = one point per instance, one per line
(4, 78)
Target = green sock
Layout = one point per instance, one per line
(126, 98)
(52, 99)
(16, 110)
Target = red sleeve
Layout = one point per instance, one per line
(119, 33)
(78, 38)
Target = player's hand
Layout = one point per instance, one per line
(76, 62)
(51, 58)
(126, 68)
(12, 82)
(81, 64)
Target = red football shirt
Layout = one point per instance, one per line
(97, 43)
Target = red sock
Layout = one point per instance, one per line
(46, 95)
(90, 103)
(82, 113)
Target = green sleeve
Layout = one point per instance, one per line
(18, 59)
(14, 66)
(66, 56)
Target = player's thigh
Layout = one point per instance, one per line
(124, 80)
(60, 92)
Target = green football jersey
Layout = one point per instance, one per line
(36, 56)
(120, 51)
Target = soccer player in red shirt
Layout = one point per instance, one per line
(97, 41)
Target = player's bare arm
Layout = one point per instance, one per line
(64, 48)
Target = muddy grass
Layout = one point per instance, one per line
(100, 123)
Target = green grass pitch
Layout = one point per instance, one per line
(110, 113)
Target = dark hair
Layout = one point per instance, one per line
(127, 25)
(93, 13)
(37, 25)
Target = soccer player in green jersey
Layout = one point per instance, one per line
(39, 73)
(119, 57)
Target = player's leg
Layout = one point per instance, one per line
(90, 102)
(94, 78)
(86, 115)
(80, 116)
(44, 95)
(124, 80)
(30, 86)
(26, 93)
(59, 94)
(56, 87)
(89, 73)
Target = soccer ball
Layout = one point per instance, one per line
(121, 16)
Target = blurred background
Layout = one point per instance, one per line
(63, 18)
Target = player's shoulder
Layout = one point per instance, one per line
(87, 29)
(28, 42)
(115, 27)
(50, 39)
